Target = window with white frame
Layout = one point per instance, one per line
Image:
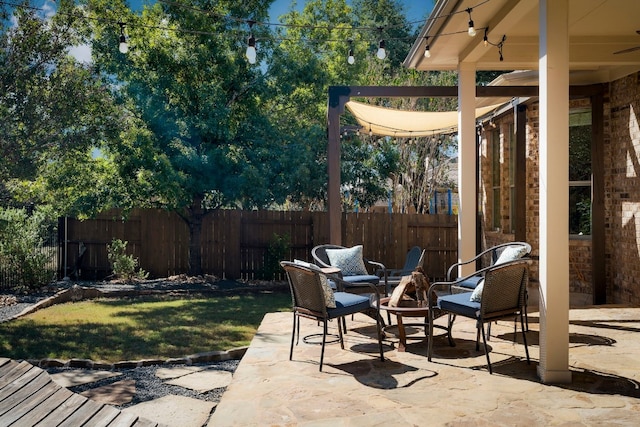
(512, 179)
(580, 172)
(495, 179)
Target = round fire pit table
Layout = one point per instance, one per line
(407, 308)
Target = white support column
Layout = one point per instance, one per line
(554, 191)
(468, 206)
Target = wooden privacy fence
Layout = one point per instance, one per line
(235, 243)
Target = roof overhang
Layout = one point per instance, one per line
(597, 30)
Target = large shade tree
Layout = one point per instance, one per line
(201, 139)
(53, 111)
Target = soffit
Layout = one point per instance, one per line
(597, 29)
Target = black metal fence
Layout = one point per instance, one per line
(13, 268)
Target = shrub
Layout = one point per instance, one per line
(277, 251)
(26, 254)
(123, 265)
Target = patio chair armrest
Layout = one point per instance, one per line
(494, 255)
(458, 264)
(380, 266)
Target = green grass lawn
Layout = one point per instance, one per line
(113, 330)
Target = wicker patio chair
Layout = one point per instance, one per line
(502, 297)
(353, 266)
(312, 297)
(498, 254)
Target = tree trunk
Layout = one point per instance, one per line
(195, 213)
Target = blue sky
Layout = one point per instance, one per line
(416, 9)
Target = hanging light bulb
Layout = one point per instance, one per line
(485, 39)
(251, 49)
(251, 44)
(351, 59)
(123, 46)
(472, 30)
(382, 53)
(427, 52)
(370, 131)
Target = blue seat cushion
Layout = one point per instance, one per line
(360, 278)
(374, 280)
(459, 304)
(347, 303)
(471, 283)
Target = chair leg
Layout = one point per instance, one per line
(293, 335)
(430, 338)
(450, 320)
(324, 340)
(524, 338)
(340, 333)
(379, 330)
(478, 326)
(526, 315)
(486, 349)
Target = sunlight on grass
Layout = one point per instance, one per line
(129, 329)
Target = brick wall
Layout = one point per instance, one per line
(622, 193)
(622, 184)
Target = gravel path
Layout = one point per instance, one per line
(150, 387)
(24, 301)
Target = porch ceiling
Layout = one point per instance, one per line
(597, 29)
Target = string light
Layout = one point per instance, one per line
(123, 46)
(351, 59)
(471, 30)
(427, 52)
(499, 45)
(382, 53)
(251, 41)
(251, 45)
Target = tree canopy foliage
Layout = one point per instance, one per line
(184, 122)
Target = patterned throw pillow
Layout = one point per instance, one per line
(348, 260)
(511, 253)
(476, 296)
(329, 297)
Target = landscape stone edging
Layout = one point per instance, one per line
(78, 293)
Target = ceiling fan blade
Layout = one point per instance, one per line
(631, 49)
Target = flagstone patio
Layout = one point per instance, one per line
(355, 388)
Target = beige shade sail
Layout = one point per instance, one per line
(399, 123)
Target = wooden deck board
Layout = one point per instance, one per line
(26, 407)
(16, 372)
(103, 417)
(142, 422)
(63, 411)
(29, 397)
(124, 419)
(82, 414)
(49, 405)
(38, 384)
